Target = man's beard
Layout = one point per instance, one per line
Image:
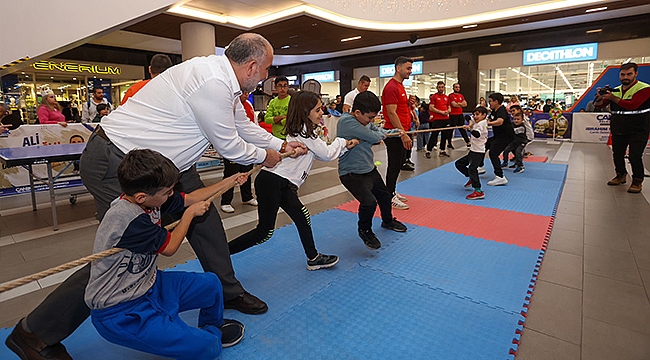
(249, 86)
(626, 82)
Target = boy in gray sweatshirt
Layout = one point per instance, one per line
(357, 169)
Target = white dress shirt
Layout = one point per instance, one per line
(180, 112)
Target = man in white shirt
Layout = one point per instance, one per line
(364, 83)
(89, 109)
(179, 113)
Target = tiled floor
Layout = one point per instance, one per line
(591, 299)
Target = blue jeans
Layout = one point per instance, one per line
(423, 138)
(151, 322)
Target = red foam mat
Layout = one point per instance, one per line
(531, 158)
(505, 226)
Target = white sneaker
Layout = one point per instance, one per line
(398, 204)
(251, 202)
(401, 197)
(227, 209)
(499, 180)
(481, 170)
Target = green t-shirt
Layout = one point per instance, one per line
(277, 107)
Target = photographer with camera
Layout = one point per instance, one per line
(629, 123)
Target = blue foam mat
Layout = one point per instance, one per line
(492, 273)
(386, 318)
(535, 191)
(421, 296)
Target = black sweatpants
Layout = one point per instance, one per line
(275, 192)
(468, 166)
(370, 191)
(458, 120)
(446, 134)
(499, 143)
(637, 143)
(517, 148)
(395, 154)
(230, 168)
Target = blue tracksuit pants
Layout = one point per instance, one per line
(151, 322)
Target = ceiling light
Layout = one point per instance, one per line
(315, 12)
(285, 47)
(596, 9)
(495, 44)
(594, 31)
(470, 26)
(351, 38)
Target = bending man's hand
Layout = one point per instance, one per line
(300, 148)
(272, 158)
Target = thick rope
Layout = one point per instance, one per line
(106, 253)
(426, 130)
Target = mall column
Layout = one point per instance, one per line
(197, 39)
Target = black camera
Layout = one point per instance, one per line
(607, 90)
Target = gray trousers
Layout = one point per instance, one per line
(63, 311)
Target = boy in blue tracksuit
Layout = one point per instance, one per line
(357, 169)
(134, 304)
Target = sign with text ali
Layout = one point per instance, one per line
(561, 54)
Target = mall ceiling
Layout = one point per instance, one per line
(308, 34)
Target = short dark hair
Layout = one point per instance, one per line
(280, 79)
(440, 82)
(97, 88)
(516, 107)
(77, 136)
(629, 66)
(498, 97)
(160, 63)
(455, 84)
(146, 171)
(364, 78)
(101, 107)
(298, 123)
(521, 115)
(402, 60)
(366, 102)
(480, 109)
(547, 100)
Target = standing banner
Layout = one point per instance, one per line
(545, 125)
(590, 127)
(15, 180)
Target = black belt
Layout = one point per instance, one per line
(100, 132)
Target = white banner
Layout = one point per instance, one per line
(16, 179)
(590, 127)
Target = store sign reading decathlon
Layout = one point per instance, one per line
(561, 54)
(389, 70)
(72, 67)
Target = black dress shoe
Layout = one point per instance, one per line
(247, 303)
(29, 347)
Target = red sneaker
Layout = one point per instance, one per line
(476, 195)
(468, 184)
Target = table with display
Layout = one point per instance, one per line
(34, 155)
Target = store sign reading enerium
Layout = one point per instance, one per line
(45, 65)
(389, 70)
(561, 54)
(325, 76)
